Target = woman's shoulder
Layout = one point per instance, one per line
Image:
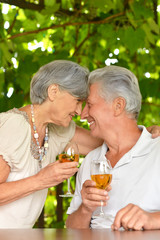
(14, 120)
(14, 115)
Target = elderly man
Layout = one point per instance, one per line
(133, 201)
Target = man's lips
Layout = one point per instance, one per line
(91, 122)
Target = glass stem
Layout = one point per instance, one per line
(68, 183)
(101, 210)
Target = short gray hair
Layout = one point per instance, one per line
(116, 82)
(69, 76)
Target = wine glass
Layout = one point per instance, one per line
(70, 154)
(101, 175)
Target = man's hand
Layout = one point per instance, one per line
(154, 130)
(133, 217)
(92, 196)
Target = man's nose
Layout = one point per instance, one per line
(84, 113)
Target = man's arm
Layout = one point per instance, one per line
(91, 199)
(135, 218)
(80, 219)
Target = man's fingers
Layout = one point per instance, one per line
(109, 188)
(122, 217)
(89, 183)
(92, 196)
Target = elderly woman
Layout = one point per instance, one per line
(30, 139)
(112, 109)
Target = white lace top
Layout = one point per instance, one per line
(20, 152)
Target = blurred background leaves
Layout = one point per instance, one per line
(91, 33)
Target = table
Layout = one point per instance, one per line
(73, 234)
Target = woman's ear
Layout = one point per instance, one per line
(52, 91)
(119, 105)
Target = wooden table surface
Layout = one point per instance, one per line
(69, 234)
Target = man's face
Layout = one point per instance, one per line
(98, 112)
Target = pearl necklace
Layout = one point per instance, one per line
(41, 150)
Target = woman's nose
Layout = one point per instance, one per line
(79, 109)
(84, 113)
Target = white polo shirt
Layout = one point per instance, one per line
(135, 179)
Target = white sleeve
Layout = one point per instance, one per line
(82, 175)
(15, 139)
(77, 200)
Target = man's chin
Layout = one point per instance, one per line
(93, 132)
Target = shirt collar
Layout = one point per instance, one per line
(143, 145)
(141, 148)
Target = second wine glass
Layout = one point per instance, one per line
(101, 175)
(70, 154)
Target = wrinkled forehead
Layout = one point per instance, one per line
(94, 92)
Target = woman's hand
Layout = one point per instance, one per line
(92, 196)
(154, 130)
(56, 173)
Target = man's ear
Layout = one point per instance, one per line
(119, 105)
(53, 90)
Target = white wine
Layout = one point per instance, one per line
(63, 157)
(102, 180)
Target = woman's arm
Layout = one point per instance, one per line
(49, 176)
(86, 142)
(154, 130)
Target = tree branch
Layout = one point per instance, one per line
(25, 5)
(155, 4)
(12, 25)
(68, 24)
(85, 39)
(151, 104)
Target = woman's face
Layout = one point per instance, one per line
(64, 107)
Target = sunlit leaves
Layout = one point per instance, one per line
(141, 10)
(132, 39)
(6, 50)
(91, 32)
(87, 32)
(103, 5)
(50, 7)
(153, 26)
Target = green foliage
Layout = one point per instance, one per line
(87, 32)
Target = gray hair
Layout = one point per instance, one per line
(69, 76)
(116, 82)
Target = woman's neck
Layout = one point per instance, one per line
(39, 118)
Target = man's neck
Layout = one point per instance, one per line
(121, 139)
